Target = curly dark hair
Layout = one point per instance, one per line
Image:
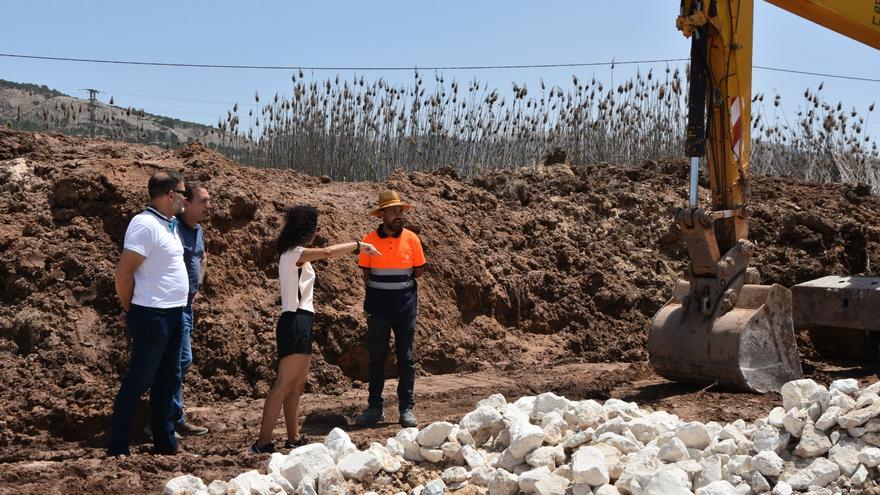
(300, 223)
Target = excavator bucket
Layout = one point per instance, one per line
(840, 312)
(749, 345)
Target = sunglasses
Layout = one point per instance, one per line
(182, 192)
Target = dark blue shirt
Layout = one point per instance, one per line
(193, 241)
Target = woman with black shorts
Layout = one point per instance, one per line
(294, 330)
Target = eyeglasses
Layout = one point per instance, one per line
(182, 192)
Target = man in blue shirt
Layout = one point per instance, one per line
(196, 203)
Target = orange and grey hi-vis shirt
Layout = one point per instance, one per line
(392, 289)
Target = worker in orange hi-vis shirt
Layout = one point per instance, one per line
(390, 304)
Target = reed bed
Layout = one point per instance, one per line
(355, 129)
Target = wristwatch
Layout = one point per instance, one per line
(357, 250)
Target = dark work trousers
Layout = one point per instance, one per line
(155, 365)
(378, 337)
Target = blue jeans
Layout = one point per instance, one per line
(186, 359)
(155, 363)
(378, 337)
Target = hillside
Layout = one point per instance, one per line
(38, 108)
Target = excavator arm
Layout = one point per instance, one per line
(722, 326)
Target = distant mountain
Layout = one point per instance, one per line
(39, 108)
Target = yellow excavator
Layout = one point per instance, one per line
(721, 326)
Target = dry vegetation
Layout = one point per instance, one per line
(358, 129)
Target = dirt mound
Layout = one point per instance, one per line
(529, 268)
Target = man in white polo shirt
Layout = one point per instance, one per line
(152, 285)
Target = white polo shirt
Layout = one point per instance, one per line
(297, 283)
(161, 280)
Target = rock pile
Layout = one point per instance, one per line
(821, 440)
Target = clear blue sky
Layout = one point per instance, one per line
(400, 33)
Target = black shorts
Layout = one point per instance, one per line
(294, 333)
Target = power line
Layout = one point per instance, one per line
(380, 68)
(820, 74)
(409, 68)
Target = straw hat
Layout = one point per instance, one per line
(387, 199)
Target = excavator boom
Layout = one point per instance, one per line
(721, 326)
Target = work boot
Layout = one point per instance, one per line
(189, 429)
(148, 431)
(370, 416)
(408, 419)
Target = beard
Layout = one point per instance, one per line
(395, 226)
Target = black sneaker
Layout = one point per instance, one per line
(370, 416)
(257, 449)
(301, 441)
(408, 419)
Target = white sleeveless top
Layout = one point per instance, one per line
(297, 283)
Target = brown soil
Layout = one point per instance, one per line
(542, 279)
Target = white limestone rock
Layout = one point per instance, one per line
(869, 456)
(849, 386)
(578, 439)
(406, 438)
(331, 482)
(358, 465)
(585, 414)
(782, 488)
(860, 415)
(739, 465)
(845, 453)
(605, 490)
(621, 443)
(503, 483)
(547, 402)
(481, 423)
(829, 418)
(339, 443)
(524, 437)
(727, 447)
(759, 483)
(720, 487)
(794, 421)
(434, 487)
(435, 434)
(218, 487)
(482, 475)
(820, 473)
(528, 479)
(565, 471)
(588, 466)
(710, 473)
(797, 393)
(431, 455)
(695, 435)
(672, 481)
(813, 442)
(640, 467)
(472, 457)
(775, 417)
(860, 476)
(390, 464)
(452, 452)
(546, 456)
(768, 463)
(305, 463)
(184, 485)
(672, 449)
(616, 407)
(770, 438)
(254, 483)
(455, 474)
(644, 429)
(496, 401)
(551, 485)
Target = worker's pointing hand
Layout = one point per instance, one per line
(370, 249)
